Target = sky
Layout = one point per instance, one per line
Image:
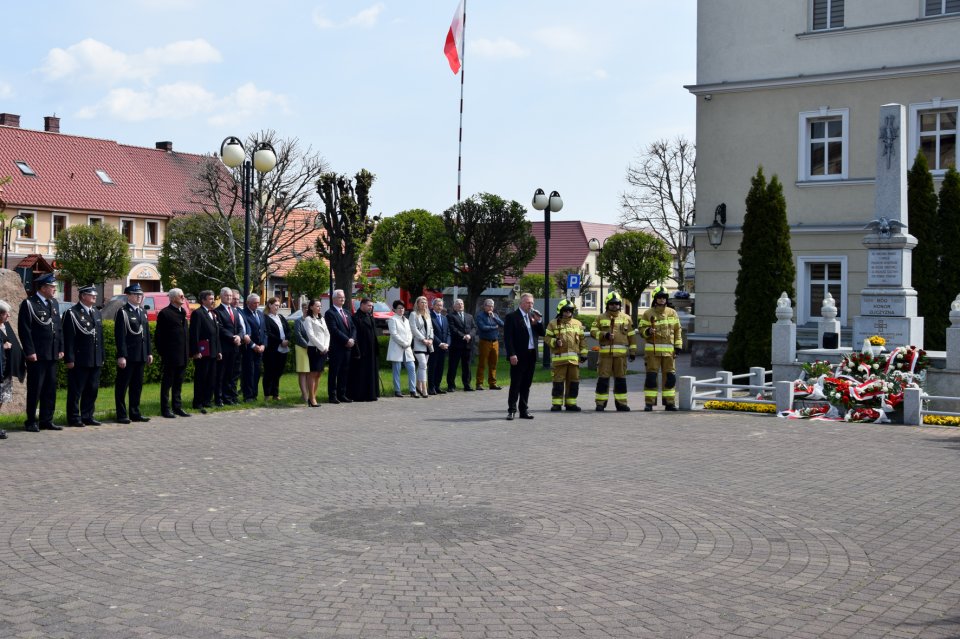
(558, 94)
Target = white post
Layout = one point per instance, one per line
(726, 377)
(685, 388)
(757, 376)
(953, 337)
(828, 320)
(911, 407)
(784, 338)
(783, 394)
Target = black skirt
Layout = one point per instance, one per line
(317, 359)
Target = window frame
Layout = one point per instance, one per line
(25, 169)
(806, 315)
(804, 141)
(53, 224)
(132, 238)
(590, 296)
(94, 219)
(915, 110)
(146, 236)
(942, 12)
(829, 12)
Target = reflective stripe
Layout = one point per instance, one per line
(620, 397)
(571, 401)
(650, 393)
(669, 392)
(659, 348)
(603, 397)
(557, 401)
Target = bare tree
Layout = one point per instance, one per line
(663, 182)
(277, 223)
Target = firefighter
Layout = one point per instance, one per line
(660, 329)
(565, 336)
(615, 332)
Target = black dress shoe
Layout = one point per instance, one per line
(451, 389)
(50, 426)
(92, 422)
(3, 434)
(31, 428)
(468, 388)
(203, 411)
(478, 387)
(345, 400)
(432, 392)
(218, 404)
(511, 414)
(140, 418)
(398, 394)
(76, 424)
(181, 413)
(526, 416)
(333, 400)
(440, 391)
(168, 415)
(123, 420)
(495, 387)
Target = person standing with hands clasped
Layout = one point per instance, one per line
(173, 346)
(132, 332)
(83, 356)
(343, 337)
(488, 334)
(462, 330)
(566, 339)
(520, 332)
(205, 351)
(441, 343)
(660, 329)
(615, 332)
(41, 335)
(399, 351)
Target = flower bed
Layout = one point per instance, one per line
(941, 420)
(746, 407)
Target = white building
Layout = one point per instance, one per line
(796, 86)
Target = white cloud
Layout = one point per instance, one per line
(365, 19)
(562, 39)
(501, 48)
(6, 91)
(185, 100)
(93, 61)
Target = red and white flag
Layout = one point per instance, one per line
(453, 48)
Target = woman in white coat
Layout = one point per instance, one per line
(399, 350)
(422, 327)
(318, 338)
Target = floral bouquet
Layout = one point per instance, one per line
(876, 340)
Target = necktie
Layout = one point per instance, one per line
(230, 313)
(343, 315)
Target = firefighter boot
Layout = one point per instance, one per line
(603, 392)
(573, 389)
(620, 394)
(557, 397)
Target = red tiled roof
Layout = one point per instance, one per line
(304, 248)
(568, 243)
(172, 175)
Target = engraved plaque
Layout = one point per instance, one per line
(884, 267)
(883, 306)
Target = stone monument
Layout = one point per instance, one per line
(888, 306)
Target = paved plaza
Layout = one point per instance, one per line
(439, 519)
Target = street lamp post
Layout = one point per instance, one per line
(597, 247)
(263, 159)
(17, 223)
(548, 205)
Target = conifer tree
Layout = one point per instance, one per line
(766, 270)
(949, 216)
(922, 224)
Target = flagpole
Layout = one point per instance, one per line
(463, 70)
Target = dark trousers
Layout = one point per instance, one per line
(339, 373)
(435, 369)
(129, 377)
(42, 389)
(521, 376)
(273, 365)
(459, 357)
(204, 369)
(250, 374)
(171, 383)
(233, 377)
(83, 384)
(222, 390)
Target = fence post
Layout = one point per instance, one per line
(783, 395)
(911, 407)
(757, 378)
(685, 392)
(726, 377)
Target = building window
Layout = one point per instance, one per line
(103, 176)
(590, 299)
(93, 221)
(126, 230)
(817, 276)
(827, 14)
(933, 130)
(27, 232)
(25, 168)
(823, 145)
(152, 233)
(59, 223)
(941, 7)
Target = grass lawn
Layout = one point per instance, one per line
(289, 392)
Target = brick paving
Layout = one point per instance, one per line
(438, 519)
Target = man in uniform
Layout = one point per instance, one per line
(569, 346)
(132, 333)
(660, 329)
(83, 355)
(41, 335)
(615, 332)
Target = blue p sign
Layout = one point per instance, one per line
(573, 281)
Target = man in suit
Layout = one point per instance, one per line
(253, 348)
(520, 332)
(441, 342)
(463, 331)
(343, 336)
(41, 334)
(83, 355)
(234, 374)
(231, 336)
(132, 333)
(173, 335)
(205, 351)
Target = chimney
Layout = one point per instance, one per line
(51, 124)
(165, 146)
(9, 119)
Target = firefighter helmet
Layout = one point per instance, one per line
(660, 292)
(612, 298)
(566, 305)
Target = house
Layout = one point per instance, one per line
(60, 180)
(796, 86)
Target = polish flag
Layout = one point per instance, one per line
(453, 48)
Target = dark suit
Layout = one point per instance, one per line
(341, 330)
(273, 360)
(516, 341)
(82, 347)
(250, 374)
(441, 335)
(460, 348)
(132, 333)
(204, 333)
(173, 336)
(39, 328)
(230, 327)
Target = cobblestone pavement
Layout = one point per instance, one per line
(437, 518)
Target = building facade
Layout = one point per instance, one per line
(796, 87)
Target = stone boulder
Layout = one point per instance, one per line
(11, 291)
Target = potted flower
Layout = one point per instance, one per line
(874, 344)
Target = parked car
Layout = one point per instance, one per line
(152, 304)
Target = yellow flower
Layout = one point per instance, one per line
(941, 420)
(747, 407)
(876, 340)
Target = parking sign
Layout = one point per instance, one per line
(573, 281)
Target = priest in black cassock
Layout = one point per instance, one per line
(365, 367)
